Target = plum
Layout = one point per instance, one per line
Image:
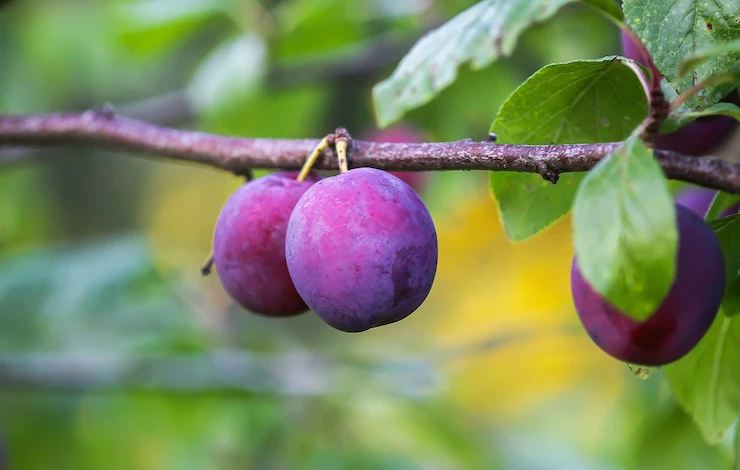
(361, 249)
(698, 200)
(249, 244)
(698, 138)
(402, 134)
(683, 317)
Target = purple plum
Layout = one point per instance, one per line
(698, 200)
(249, 244)
(361, 249)
(699, 138)
(683, 317)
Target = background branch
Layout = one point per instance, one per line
(104, 128)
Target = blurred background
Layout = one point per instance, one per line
(115, 353)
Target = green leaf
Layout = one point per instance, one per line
(610, 7)
(673, 31)
(721, 202)
(707, 53)
(706, 382)
(479, 35)
(574, 102)
(529, 204)
(625, 230)
(727, 230)
(682, 118)
(684, 115)
(153, 25)
(231, 73)
(666, 438)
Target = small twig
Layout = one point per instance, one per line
(324, 144)
(657, 114)
(547, 173)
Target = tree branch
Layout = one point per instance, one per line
(104, 128)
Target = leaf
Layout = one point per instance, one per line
(680, 119)
(146, 14)
(529, 204)
(707, 53)
(574, 102)
(153, 25)
(727, 230)
(673, 31)
(609, 7)
(721, 202)
(232, 72)
(666, 438)
(625, 230)
(479, 35)
(706, 382)
(684, 115)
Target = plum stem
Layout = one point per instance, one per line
(208, 265)
(341, 148)
(322, 145)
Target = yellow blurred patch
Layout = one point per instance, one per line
(183, 205)
(509, 306)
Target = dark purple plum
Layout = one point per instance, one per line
(401, 134)
(680, 321)
(698, 200)
(249, 244)
(702, 136)
(699, 138)
(361, 249)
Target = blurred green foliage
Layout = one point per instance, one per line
(114, 353)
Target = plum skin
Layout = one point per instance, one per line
(249, 244)
(680, 321)
(361, 249)
(698, 201)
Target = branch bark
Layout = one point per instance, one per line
(238, 155)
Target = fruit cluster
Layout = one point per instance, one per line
(359, 249)
(692, 303)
